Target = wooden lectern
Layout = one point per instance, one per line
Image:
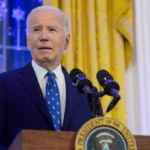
(50, 140)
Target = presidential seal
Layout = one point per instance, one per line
(104, 134)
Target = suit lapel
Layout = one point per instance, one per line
(70, 100)
(31, 84)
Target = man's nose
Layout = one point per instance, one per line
(44, 36)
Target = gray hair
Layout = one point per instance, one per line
(66, 24)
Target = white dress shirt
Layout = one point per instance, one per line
(60, 79)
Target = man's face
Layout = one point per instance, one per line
(46, 36)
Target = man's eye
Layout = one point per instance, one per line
(36, 29)
(52, 30)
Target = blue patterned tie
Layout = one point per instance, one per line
(53, 100)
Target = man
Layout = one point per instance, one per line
(24, 99)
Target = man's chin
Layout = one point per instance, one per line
(46, 60)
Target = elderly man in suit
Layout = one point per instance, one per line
(25, 101)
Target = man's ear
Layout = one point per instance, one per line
(67, 42)
(28, 42)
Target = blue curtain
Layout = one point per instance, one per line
(17, 53)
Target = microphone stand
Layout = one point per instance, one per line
(112, 104)
(94, 101)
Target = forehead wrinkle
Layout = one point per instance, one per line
(44, 20)
(44, 13)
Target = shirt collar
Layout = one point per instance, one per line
(59, 74)
(41, 72)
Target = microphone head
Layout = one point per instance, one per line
(103, 74)
(106, 81)
(79, 79)
(74, 73)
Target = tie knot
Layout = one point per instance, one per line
(51, 75)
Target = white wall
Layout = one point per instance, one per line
(138, 74)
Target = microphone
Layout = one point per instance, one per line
(84, 85)
(79, 79)
(110, 87)
(107, 82)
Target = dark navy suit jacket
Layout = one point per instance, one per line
(22, 105)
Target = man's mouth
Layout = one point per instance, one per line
(45, 48)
